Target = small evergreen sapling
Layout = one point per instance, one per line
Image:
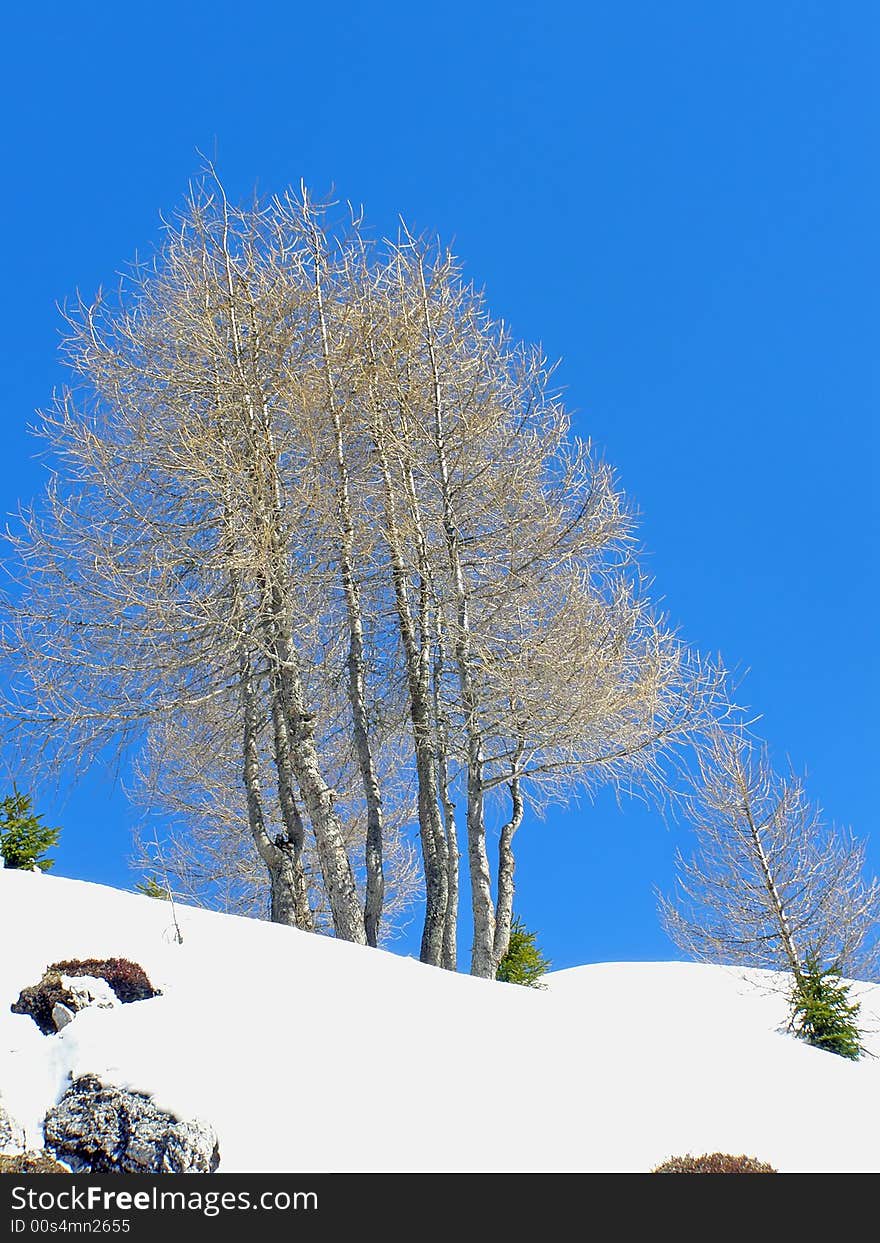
(151, 888)
(523, 963)
(822, 1013)
(24, 839)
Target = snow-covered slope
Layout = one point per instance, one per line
(311, 1055)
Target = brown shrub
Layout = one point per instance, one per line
(31, 1163)
(714, 1163)
(128, 981)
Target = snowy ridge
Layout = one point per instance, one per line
(311, 1055)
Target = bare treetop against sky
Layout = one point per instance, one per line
(679, 201)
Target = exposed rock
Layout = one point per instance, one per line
(61, 1015)
(53, 1002)
(12, 1137)
(96, 1128)
(39, 1000)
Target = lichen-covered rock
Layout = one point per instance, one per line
(12, 1137)
(96, 1128)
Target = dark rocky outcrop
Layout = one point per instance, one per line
(96, 1128)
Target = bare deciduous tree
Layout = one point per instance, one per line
(535, 664)
(321, 524)
(771, 884)
(165, 570)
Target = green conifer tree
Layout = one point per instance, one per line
(523, 963)
(24, 839)
(822, 1013)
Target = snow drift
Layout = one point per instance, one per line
(310, 1055)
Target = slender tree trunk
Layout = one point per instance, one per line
(482, 954)
(289, 903)
(294, 830)
(450, 930)
(441, 726)
(788, 940)
(348, 921)
(416, 657)
(504, 904)
(278, 863)
(357, 689)
(431, 637)
(289, 890)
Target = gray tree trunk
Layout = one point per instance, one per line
(788, 941)
(450, 931)
(416, 656)
(348, 921)
(482, 954)
(278, 863)
(294, 830)
(357, 689)
(504, 903)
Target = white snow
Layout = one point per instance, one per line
(309, 1055)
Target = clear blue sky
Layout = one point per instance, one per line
(680, 200)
